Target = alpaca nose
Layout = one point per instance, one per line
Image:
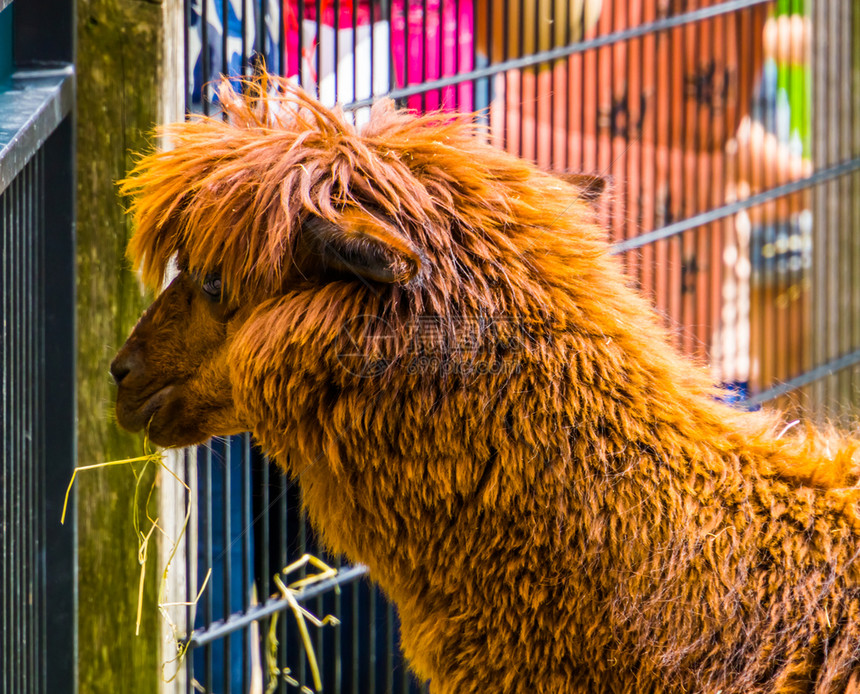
(122, 365)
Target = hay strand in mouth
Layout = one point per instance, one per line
(143, 542)
(84, 468)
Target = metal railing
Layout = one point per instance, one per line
(37, 351)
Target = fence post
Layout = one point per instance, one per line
(173, 499)
(119, 44)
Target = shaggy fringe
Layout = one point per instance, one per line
(231, 193)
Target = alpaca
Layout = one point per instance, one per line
(432, 337)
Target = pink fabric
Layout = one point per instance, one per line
(419, 53)
(442, 53)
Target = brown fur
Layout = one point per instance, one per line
(431, 336)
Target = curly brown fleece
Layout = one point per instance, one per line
(490, 418)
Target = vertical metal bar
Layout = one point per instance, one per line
(9, 433)
(662, 115)
(855, 194)
(29, 416)
(258, 46)
(208, 605)
(18, 470)
(5, 479)
(42, 432)
(303, 548)
(191, 557)
(820, 128)
(23, 422)
(39, 428)
(372, 637)
(504, 82)
(684, 207)
(20, 397)
(555, 82)
(647, 171)
(423, 41)
(284, 529)
(23, 370)
(770, 285)
(704, 267)
(227, 555)
(788, 296)
(456, 57)
(425, 52)
(186, 58)
(336, 51)
(264, 522)
(354, 57)
(519, 74)
(633, 144)
(225, 32)
(388, 9)
(8, 438)
(375, 14)
(788, 301)
(38, 545)
(318, 47)
(205, 65)
(610, 141)
(356, 591)
(283, 68)
(724, 279)
(300, 21)
(389, 649)
(37, 431)
(489, 42)
(337, 638)
(675, 105)
(243, 42)
(58, 368)
(845, 232)
(407, 685)
(15, 429)
(247, 535)
(41, 464)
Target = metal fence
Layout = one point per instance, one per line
(730, 132)
(37, 353)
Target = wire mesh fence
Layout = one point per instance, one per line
(730, 137)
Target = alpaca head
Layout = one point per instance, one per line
(289, 228)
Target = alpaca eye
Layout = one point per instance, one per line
(212, 286)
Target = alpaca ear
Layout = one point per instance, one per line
(591, 186)
(360, 245)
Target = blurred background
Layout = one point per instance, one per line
(730, 136)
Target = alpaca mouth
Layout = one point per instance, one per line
(135, 418)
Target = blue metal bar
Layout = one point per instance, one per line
(227, 555)
(208, 598)
(221, 628)
(247, 564)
